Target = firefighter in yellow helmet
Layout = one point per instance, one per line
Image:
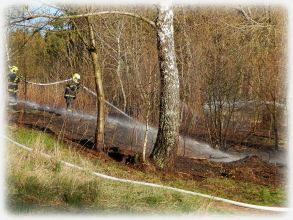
(13, 80)
(71, 91)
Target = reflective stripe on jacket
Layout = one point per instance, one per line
(71, 89)
(13, 81)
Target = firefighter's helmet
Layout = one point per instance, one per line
(76, 77)
(13, 69)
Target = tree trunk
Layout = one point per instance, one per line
(275, 127)
(145, 135)
(99, 135)
(118, 70)
(276, 135)
(165, 148)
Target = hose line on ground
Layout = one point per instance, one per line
(241, 204)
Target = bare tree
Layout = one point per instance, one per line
(100, 129)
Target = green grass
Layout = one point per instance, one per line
(37, 184)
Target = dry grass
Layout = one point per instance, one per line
(54, 96)
(35, 181)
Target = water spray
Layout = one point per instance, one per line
(109, 103)
(193, 145)
(125, 127)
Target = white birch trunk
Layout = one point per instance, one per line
(166, 145)
(119, 64)
(145, 135)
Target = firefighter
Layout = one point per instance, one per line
(71, 91)
(13, 80)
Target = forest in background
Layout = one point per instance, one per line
(232, 68)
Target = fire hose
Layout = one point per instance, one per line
(104, 176)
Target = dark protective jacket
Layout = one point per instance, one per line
(71, 89)
(13, 81)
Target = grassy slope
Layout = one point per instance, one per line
(35, 182)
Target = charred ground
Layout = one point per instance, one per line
(79, 134)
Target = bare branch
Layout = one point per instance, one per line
(146, 20)
(248, 17)
(80, 35)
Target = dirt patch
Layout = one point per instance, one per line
(252, 169)
(257, 170)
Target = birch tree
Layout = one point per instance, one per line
(165, 149)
